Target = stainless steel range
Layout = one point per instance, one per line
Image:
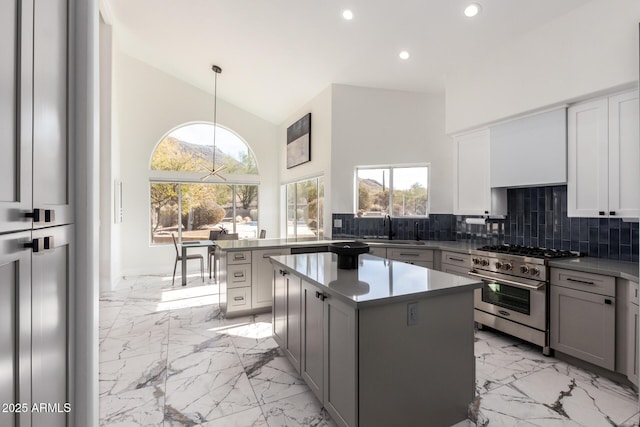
(514, 296)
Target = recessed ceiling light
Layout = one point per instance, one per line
(404, 55)
(472, 10)
(347, 14)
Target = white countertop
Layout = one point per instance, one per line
(610, 267)
(376, 281)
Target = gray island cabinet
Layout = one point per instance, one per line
(388, 343)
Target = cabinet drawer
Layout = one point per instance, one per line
(633, 292)
(239, 299)
(453, 258)
(238, 275)
(409, 254)
(455, 269)
(239, 257)
(378, 251)
(588, 282)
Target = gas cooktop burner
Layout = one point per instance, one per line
(529, 251)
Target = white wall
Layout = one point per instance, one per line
(147, 104)
(320, 164)
(382, 127)
(589, 50)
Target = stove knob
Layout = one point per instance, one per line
(476, 261)
(484, 262)
(524, 269)
(508, 266)
(498, 265)
(534, 271)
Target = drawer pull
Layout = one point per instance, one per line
(608, 301)
(456, 259)
(636, 292)
(409, 254)
(239, 257)
(238, 298)
(238, 274)
(283, 272)
(586, 282)
(601, 213)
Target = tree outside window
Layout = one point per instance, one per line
(403, 188)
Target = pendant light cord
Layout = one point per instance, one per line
(217, 70)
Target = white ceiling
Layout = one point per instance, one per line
(278, 54)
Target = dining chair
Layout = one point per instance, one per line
(263, 233)
(179, 258)
(211, 250)
(217, 235)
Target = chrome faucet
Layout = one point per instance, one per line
(386, 222)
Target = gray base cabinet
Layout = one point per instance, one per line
(583, 316)
(329, 363)
(367, 366)
(631, 340)
(261, 284)
(421, 257)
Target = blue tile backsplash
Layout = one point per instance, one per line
(537, 216)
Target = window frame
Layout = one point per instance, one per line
(320, 206)
(391, 168)
(190, 177)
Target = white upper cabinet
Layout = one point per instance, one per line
(472, 187)
(604, 157)
(530, 151)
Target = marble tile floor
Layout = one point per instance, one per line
(168, 358)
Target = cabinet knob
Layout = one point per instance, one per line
(486, 212)
(601, 213)
(612, 213)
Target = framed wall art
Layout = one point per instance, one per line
(299, 142)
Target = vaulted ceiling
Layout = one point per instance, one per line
(278, 54)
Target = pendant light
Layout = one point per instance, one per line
(213, 171)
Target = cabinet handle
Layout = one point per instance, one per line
(238, 298)
(456, 259)
(238, 257)
(238, 274)
(40, 244)
(321, 295)
(36, 214)
(612, 213)
(601, 213)
(636, 293)
(608, 301)
(48, 215)
(409, 254)
(283, 272)
(486, 212)
(579, 281)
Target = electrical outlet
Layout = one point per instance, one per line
(337, 223)
(412, 314)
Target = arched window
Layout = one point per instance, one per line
(186, 201)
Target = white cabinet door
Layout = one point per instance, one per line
(624, 155)
(261, 280)
(15, 326)
(16, 47)
(51, 322)
(293, 348)
(472, 187)
(52, 153)
(587, 146)
(603, 167)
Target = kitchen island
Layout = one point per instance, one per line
(388, 343)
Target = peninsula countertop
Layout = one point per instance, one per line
(376, 281)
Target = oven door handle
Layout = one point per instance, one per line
(506, 281)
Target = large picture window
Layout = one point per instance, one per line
(183, 203)
(393, 190)
(305, 201)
